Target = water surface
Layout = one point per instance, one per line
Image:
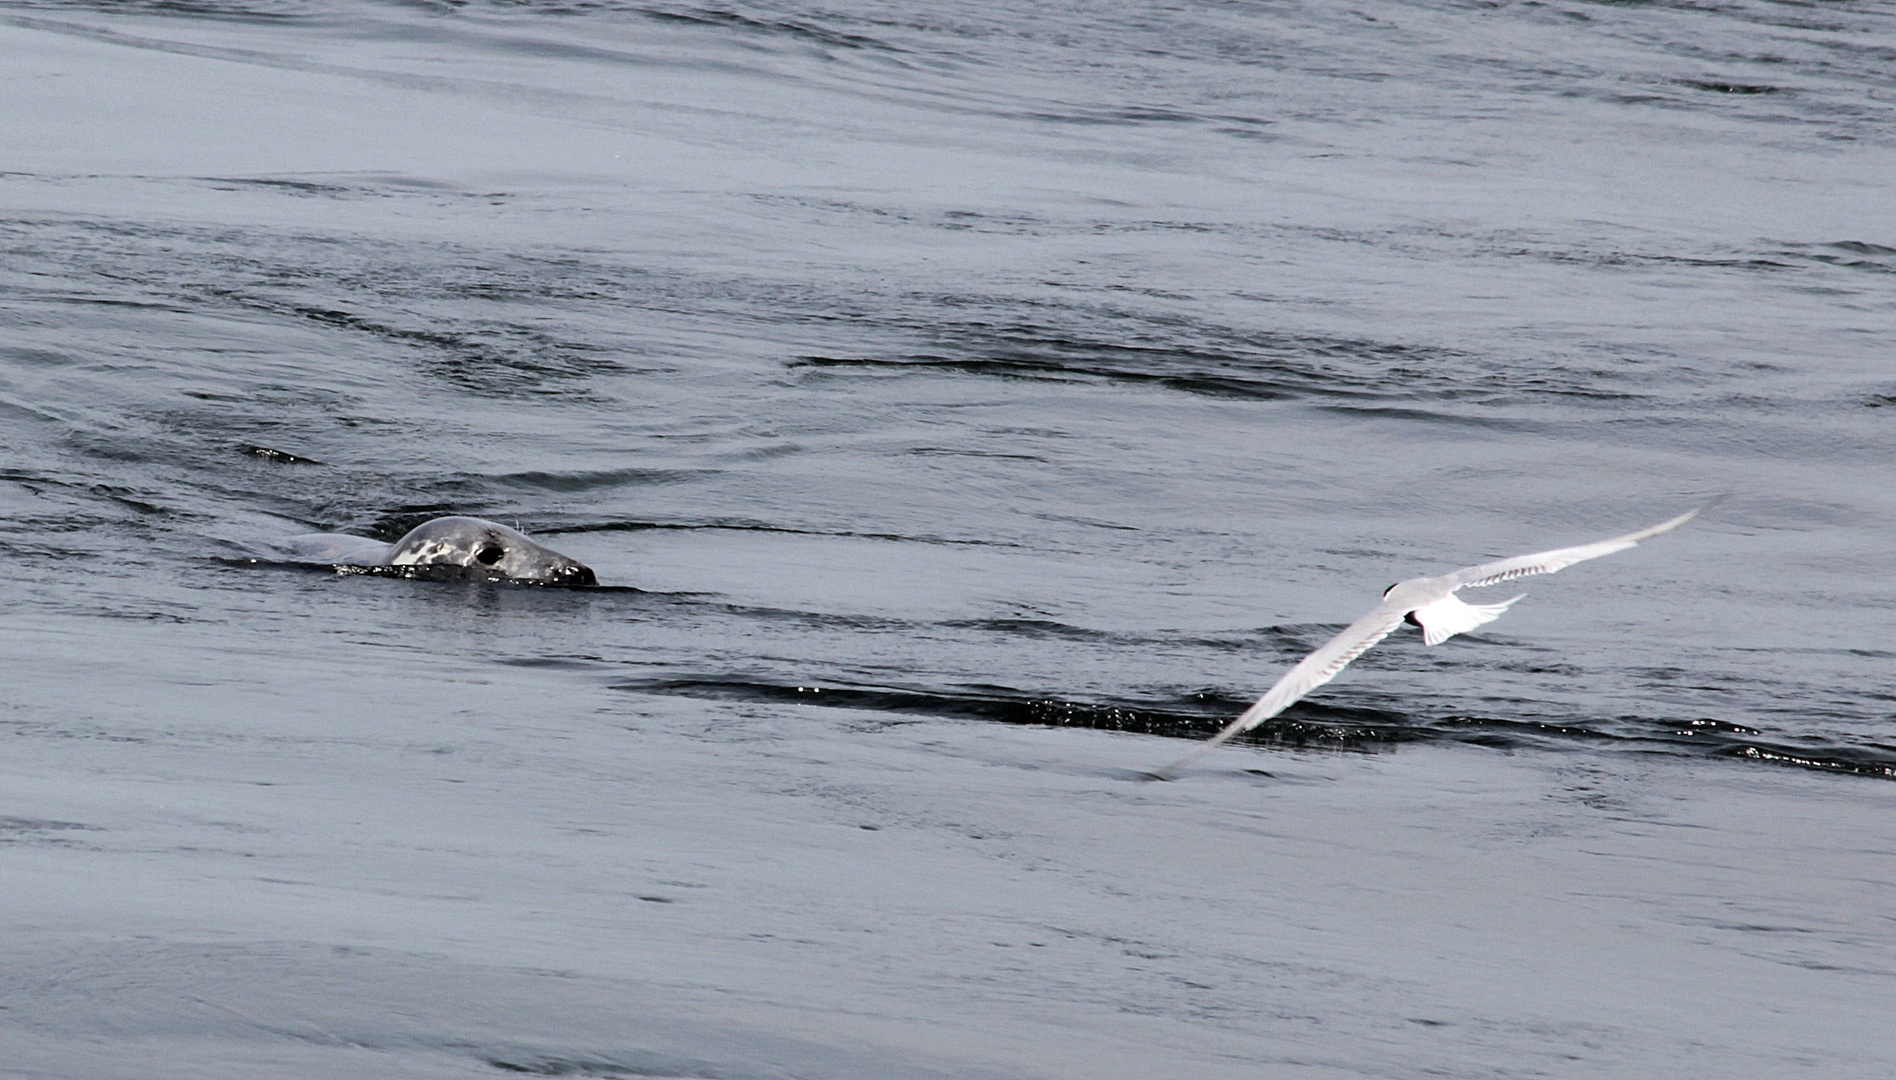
(904, 369)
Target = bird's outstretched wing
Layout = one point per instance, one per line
(1357, 638)
(1313, 671)
(1546, 562)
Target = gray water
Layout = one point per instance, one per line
(910, 374)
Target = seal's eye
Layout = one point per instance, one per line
(1391, 589)
(489, 555)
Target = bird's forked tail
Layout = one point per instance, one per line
(1449, 616)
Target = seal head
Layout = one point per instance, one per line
(474, 542)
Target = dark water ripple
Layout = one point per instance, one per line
(1306, 725)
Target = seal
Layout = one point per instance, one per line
(485, 547)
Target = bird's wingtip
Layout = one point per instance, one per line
(1673, 523)
(1711, 503)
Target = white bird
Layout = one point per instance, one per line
(1428, 602)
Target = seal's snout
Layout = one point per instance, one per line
(574, 574)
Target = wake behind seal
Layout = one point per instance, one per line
(490, 550)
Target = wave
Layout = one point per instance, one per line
(1305, 725)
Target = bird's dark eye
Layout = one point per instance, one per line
(489, 555)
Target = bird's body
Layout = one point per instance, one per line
(1429, 602)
